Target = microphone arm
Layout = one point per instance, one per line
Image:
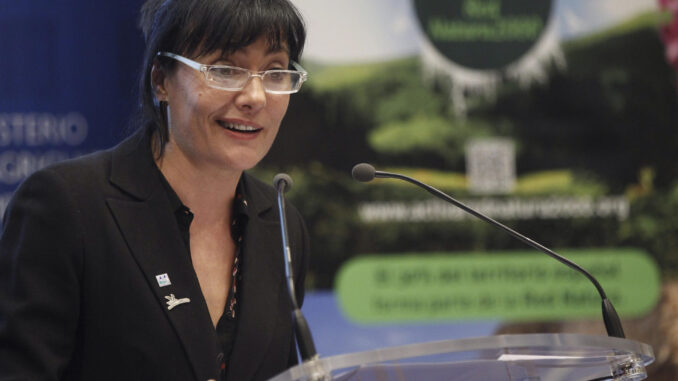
(365, 172)
(282, 183)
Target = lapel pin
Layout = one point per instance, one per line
(172, 301)
(163, 280)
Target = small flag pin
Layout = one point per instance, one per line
(163, 280)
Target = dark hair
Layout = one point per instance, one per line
(201, 27)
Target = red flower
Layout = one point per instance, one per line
(669, 32)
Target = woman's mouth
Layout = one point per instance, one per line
(238, 127)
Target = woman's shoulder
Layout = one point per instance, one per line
(264, 195)
(89, 169)
(265, 199)
(81, 170)
(256, 186)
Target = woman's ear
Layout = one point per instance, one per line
(158, 80)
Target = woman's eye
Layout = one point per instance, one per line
(277, 75)
(228, 72)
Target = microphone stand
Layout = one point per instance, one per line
(282, 182)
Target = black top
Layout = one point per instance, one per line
(226, 326)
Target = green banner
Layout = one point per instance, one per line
(512, 285)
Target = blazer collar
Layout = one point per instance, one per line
(149, 227)
(132, 166)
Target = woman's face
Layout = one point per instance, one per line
(219, 129)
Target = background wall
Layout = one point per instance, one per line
(576, 148)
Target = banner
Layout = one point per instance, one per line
(556, 118)
(67, 82)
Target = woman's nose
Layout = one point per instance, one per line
(253, 96)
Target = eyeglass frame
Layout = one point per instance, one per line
(205, 69)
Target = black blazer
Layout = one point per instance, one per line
(82, 244)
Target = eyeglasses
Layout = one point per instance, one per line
(234, 78)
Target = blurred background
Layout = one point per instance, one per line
(558, 118)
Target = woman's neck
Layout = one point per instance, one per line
(207, 191)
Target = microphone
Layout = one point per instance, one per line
(365, 172)
(284, 180)
(283, 183)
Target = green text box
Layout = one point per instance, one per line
(512, 285)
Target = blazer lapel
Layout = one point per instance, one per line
(158, 249)
(262, 288)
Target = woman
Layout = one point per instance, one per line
(160, 259)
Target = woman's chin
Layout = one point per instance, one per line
(241, 161)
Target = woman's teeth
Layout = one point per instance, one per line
(238, 127)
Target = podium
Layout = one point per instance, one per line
(529, 357)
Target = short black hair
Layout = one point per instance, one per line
(197, 28)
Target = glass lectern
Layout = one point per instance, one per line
(530, 357)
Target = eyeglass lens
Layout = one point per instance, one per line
(236, 78)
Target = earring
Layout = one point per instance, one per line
(164, 112)
(163, 108)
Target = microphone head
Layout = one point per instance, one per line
(285, 179)
(363, 172)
